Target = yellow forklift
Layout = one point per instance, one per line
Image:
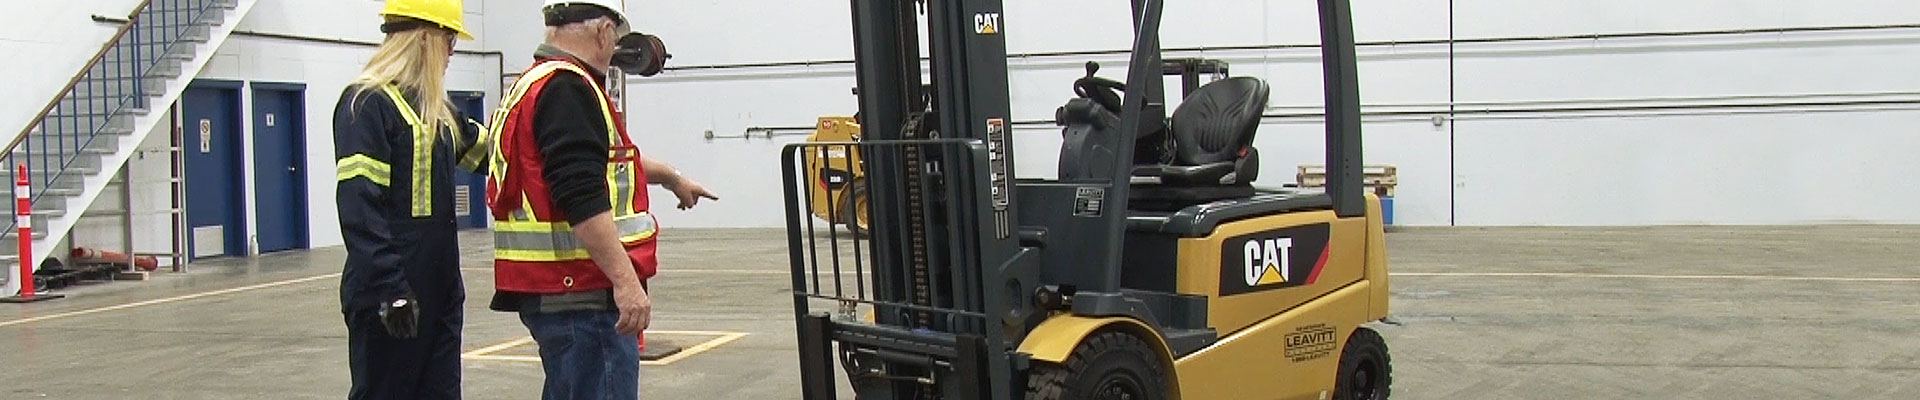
(1151, 268)
(838, 193)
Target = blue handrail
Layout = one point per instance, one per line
(102, 97)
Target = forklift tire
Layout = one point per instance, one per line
(852, 201)
(1108, 366)
(1366, 371)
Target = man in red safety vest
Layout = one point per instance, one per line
(573, 239)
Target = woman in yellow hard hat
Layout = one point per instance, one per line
(397, 140)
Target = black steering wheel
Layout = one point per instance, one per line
(1103, 91)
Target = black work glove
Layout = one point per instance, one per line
(401, 317)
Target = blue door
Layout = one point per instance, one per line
(211, 124)
(279, 166)
(470, 190)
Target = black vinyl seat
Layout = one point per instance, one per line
(1212, 155)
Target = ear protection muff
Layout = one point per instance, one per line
(641, 54)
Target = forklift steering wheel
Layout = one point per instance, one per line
(1104, 91)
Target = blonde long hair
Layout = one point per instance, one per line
(415, 61)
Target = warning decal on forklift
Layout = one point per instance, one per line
(1086, 201)
(1310, 342)
(1274, 259)
(1002, 187)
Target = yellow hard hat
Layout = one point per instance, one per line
(446, 13)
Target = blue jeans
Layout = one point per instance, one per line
(584, 358)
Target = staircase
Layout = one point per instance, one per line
(93, 126)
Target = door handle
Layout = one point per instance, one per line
(293, 169)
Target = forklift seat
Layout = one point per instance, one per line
(1212, 154)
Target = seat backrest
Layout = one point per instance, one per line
(1217, 121)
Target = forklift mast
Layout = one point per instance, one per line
(965, 259)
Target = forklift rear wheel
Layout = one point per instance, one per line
(1108, 366)
(1366, 372)
(853, 207)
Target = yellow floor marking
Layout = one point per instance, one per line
(498, 347)
(697, 349)
(167, 300)
(720, 338)
(1657, 276)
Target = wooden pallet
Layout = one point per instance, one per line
(1382, 178)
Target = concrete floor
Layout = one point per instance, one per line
(1667, 313)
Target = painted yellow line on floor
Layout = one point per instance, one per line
(484, 351)
(167, 300)
(720, 338)
(697, 349)
(1656, 276)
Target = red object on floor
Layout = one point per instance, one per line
(83, 254)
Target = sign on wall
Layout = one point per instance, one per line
(206, 136)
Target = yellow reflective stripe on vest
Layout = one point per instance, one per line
(363, 166)
(476, 152)
(498, 167)
(626, 176)
(422, 192)
(554, 241)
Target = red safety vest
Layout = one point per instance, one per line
(535, 250)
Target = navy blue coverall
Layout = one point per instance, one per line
(397, 217)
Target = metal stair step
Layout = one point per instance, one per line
(178, 53)
(124, 111)
(61, 192)
(66, 144)
(88, 158)
(165, 70)
(96, 150)
(69, 171)
(70, 180)
(151, 86)
(121, 124)
(75, 125)
(198, 33)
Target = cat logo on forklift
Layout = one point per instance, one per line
(986, 23)
(1267, 261)
(1275, 259)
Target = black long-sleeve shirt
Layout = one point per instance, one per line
(572, 136)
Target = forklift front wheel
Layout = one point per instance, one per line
(1365, 369)
(1108, 366)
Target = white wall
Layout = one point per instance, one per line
(671, 112)
(325, 69)
(1719, 145)
(59, 37)
(1715, 146)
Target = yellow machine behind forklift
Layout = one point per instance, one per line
(1151, 268)
(838, 193)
